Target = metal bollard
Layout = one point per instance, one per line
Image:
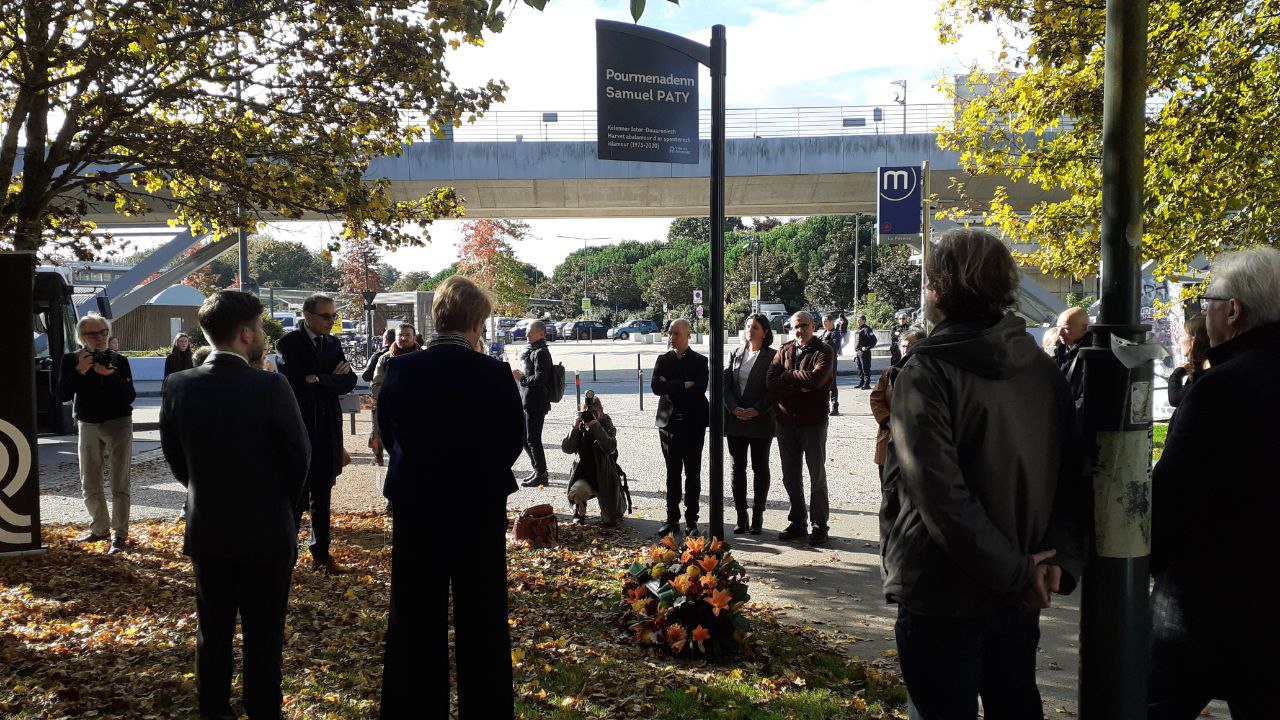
(640, 382)
(577, 388)
(593, 368)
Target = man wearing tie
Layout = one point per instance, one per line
(233, 436)
(318, 372)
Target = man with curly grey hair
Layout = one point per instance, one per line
(1214, 495)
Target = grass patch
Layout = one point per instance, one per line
(1158, 434)
(82, 632)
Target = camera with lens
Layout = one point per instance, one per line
(588, 403)
(105, 358)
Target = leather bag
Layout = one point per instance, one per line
(537, 526)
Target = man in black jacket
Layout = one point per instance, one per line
(864, 340)
(833, 338)
(313, 362)
(534, 377)
(1073, 335)
(101, 383)
(449, 477)
(680, 376)
(1214, 498)
(388, 339)
(981, 488)
(233, 436)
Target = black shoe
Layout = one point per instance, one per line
(757, 521)
(528, 476)
(818, 537)
(691, 529)
(536, 481)
(90, 537)
(579, 519)
(793, 532)
(671, 528)
(118, 545)
(835, 410)
(742, 525)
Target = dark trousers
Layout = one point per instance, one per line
(948, 662)
(800, 446)
(421, 580)
(835, 387)
(682, 450)
(864, 368)
(1186, 674)
(759, 450)
(533, 422)
(320, 493)
(259, 590)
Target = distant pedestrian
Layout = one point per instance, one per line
(200, 355)
(902, 324)
(799, 380)
(1049, 341)
(100, 384)
(1195, 348)
(113, 344)
(833, 338)
(843, 324)
(981, 491)
(535, 376)
(449, 478)
(1073, 336)
(388, 339)
(180, 356)
(1214, 497)
(235, 439)
(594, 439)
(881, 397)
(318, 371)
(749, 423)
(404, 342)
(680, 379)
(864, 340)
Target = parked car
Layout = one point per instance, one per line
(521, 330)
(587, 330)
(632, 327)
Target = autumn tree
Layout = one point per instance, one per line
(358, 272)
(410, 281)
(486, 256)
(1213, 83)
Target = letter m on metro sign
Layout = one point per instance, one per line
(899, 201)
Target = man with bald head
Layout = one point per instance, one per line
(1073, 334)
(680, 378)
(800, 377)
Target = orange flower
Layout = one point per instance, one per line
(693, 571)
(715, 545)
(681, 584)
(708, 581)
(719, 600)
(701, 635)
(669, 541)
(686, 557)
(655, 553)
(709, 563)
(638, 593)
(695, 543)
(677, 636)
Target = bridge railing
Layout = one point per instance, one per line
(580, 125)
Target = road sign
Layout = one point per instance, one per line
(646, 100)
(700, 312)
(697, 297)
(899, 200)
(755, 291)
(337, 323)
(586, 304)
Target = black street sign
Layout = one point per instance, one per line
(647, 100)
(19, 462)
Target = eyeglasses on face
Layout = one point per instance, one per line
(803, 325)
(1206, 299)
(329, 317)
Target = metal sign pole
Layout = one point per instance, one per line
(19, 458)
(716, 468)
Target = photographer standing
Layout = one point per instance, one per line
(534, 377)
(595, 472)
(101, 384)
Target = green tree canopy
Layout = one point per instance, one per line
(1211, 178)
(896, 280)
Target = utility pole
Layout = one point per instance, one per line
(1115, 618)
(902, 100)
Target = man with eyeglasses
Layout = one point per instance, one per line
(800, 378)
(101, 384)
(313, 362)
(1213, 504)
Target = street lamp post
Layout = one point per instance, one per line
(902, 100)
(584, 258)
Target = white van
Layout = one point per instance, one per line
(287, 319)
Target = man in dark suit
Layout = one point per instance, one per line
(680, 377)
(233, 436)
(534, 377)
(318, 372)
(449, 477)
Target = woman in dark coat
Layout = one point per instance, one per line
(748, 424)
(179, 357)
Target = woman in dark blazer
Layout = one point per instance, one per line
(748, 424)
(180, 357)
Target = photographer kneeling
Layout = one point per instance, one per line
(595, 472)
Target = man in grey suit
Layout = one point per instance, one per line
(234, 437)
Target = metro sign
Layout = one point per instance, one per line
(899, 200)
